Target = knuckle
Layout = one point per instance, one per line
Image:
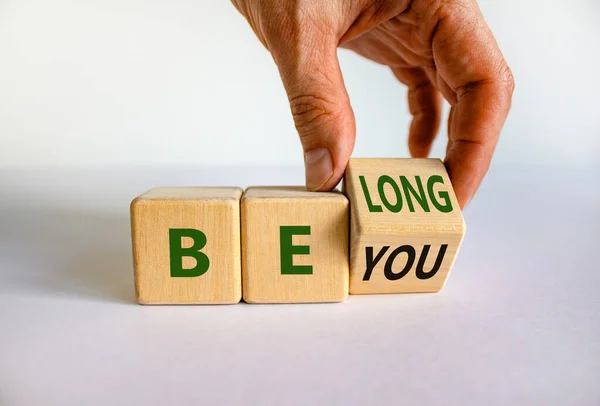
(311, 113)
(504, 81)
(508, 79)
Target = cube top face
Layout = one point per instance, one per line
(406, 225)
(294, 245)
(186, 246)
(192, 193)
(392, 196)
(292, 192)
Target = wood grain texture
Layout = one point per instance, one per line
(264, 211)
(215, 212)
(379, 220)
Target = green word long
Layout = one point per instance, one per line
(440, 202)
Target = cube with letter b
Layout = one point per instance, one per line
(406, 225)
(186, 245)
(294, 245)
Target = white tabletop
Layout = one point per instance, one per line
(518, 322)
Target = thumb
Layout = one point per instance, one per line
(321, 109)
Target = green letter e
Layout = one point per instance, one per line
(288, 250)
(177, 252)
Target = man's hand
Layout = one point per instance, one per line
(435, 47)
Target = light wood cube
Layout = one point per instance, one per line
(406, 225)
(186, 245)
(294, 245)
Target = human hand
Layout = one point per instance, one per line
(437, 48)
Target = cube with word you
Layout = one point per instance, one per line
(406, 225)
(294, 245)
(186, 245)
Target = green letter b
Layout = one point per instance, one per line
(177, 252)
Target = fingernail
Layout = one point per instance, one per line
(319, 168)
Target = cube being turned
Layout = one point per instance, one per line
(294, 245)
(186, 245)
(406, 225)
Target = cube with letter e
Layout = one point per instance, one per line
(294, 245)
(406, 225)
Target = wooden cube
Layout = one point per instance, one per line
(186, 245)
(294, 245)
(406, 225)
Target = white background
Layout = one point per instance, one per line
(102, 100)
(185, 81)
